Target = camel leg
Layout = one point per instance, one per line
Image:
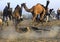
(34, 18)
(42, 16)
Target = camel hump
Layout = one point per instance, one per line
(40, 4)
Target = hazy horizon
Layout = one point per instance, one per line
(30, 3)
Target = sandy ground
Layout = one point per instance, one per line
(48, 32)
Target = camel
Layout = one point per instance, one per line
(17, 12)
(15, 16)
(36, 10)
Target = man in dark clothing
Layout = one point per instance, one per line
(9, 11)
(20, 11)
(58, 13)
(50, 10)
(5, 13)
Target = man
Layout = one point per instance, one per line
(5, 13)
(58, 13)
(9, 11)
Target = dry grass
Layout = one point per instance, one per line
(28, 23)
(38, 24)
(30, 40)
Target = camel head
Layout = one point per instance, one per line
(23, 4)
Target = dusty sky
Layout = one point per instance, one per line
(53, 3)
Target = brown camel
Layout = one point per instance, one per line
(17, 12)
(35, 10)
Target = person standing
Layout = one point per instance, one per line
(5, 13)
(9, 11)
(58, 13)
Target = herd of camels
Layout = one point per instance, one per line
(36, 10)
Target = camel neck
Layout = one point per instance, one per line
(26, 8)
